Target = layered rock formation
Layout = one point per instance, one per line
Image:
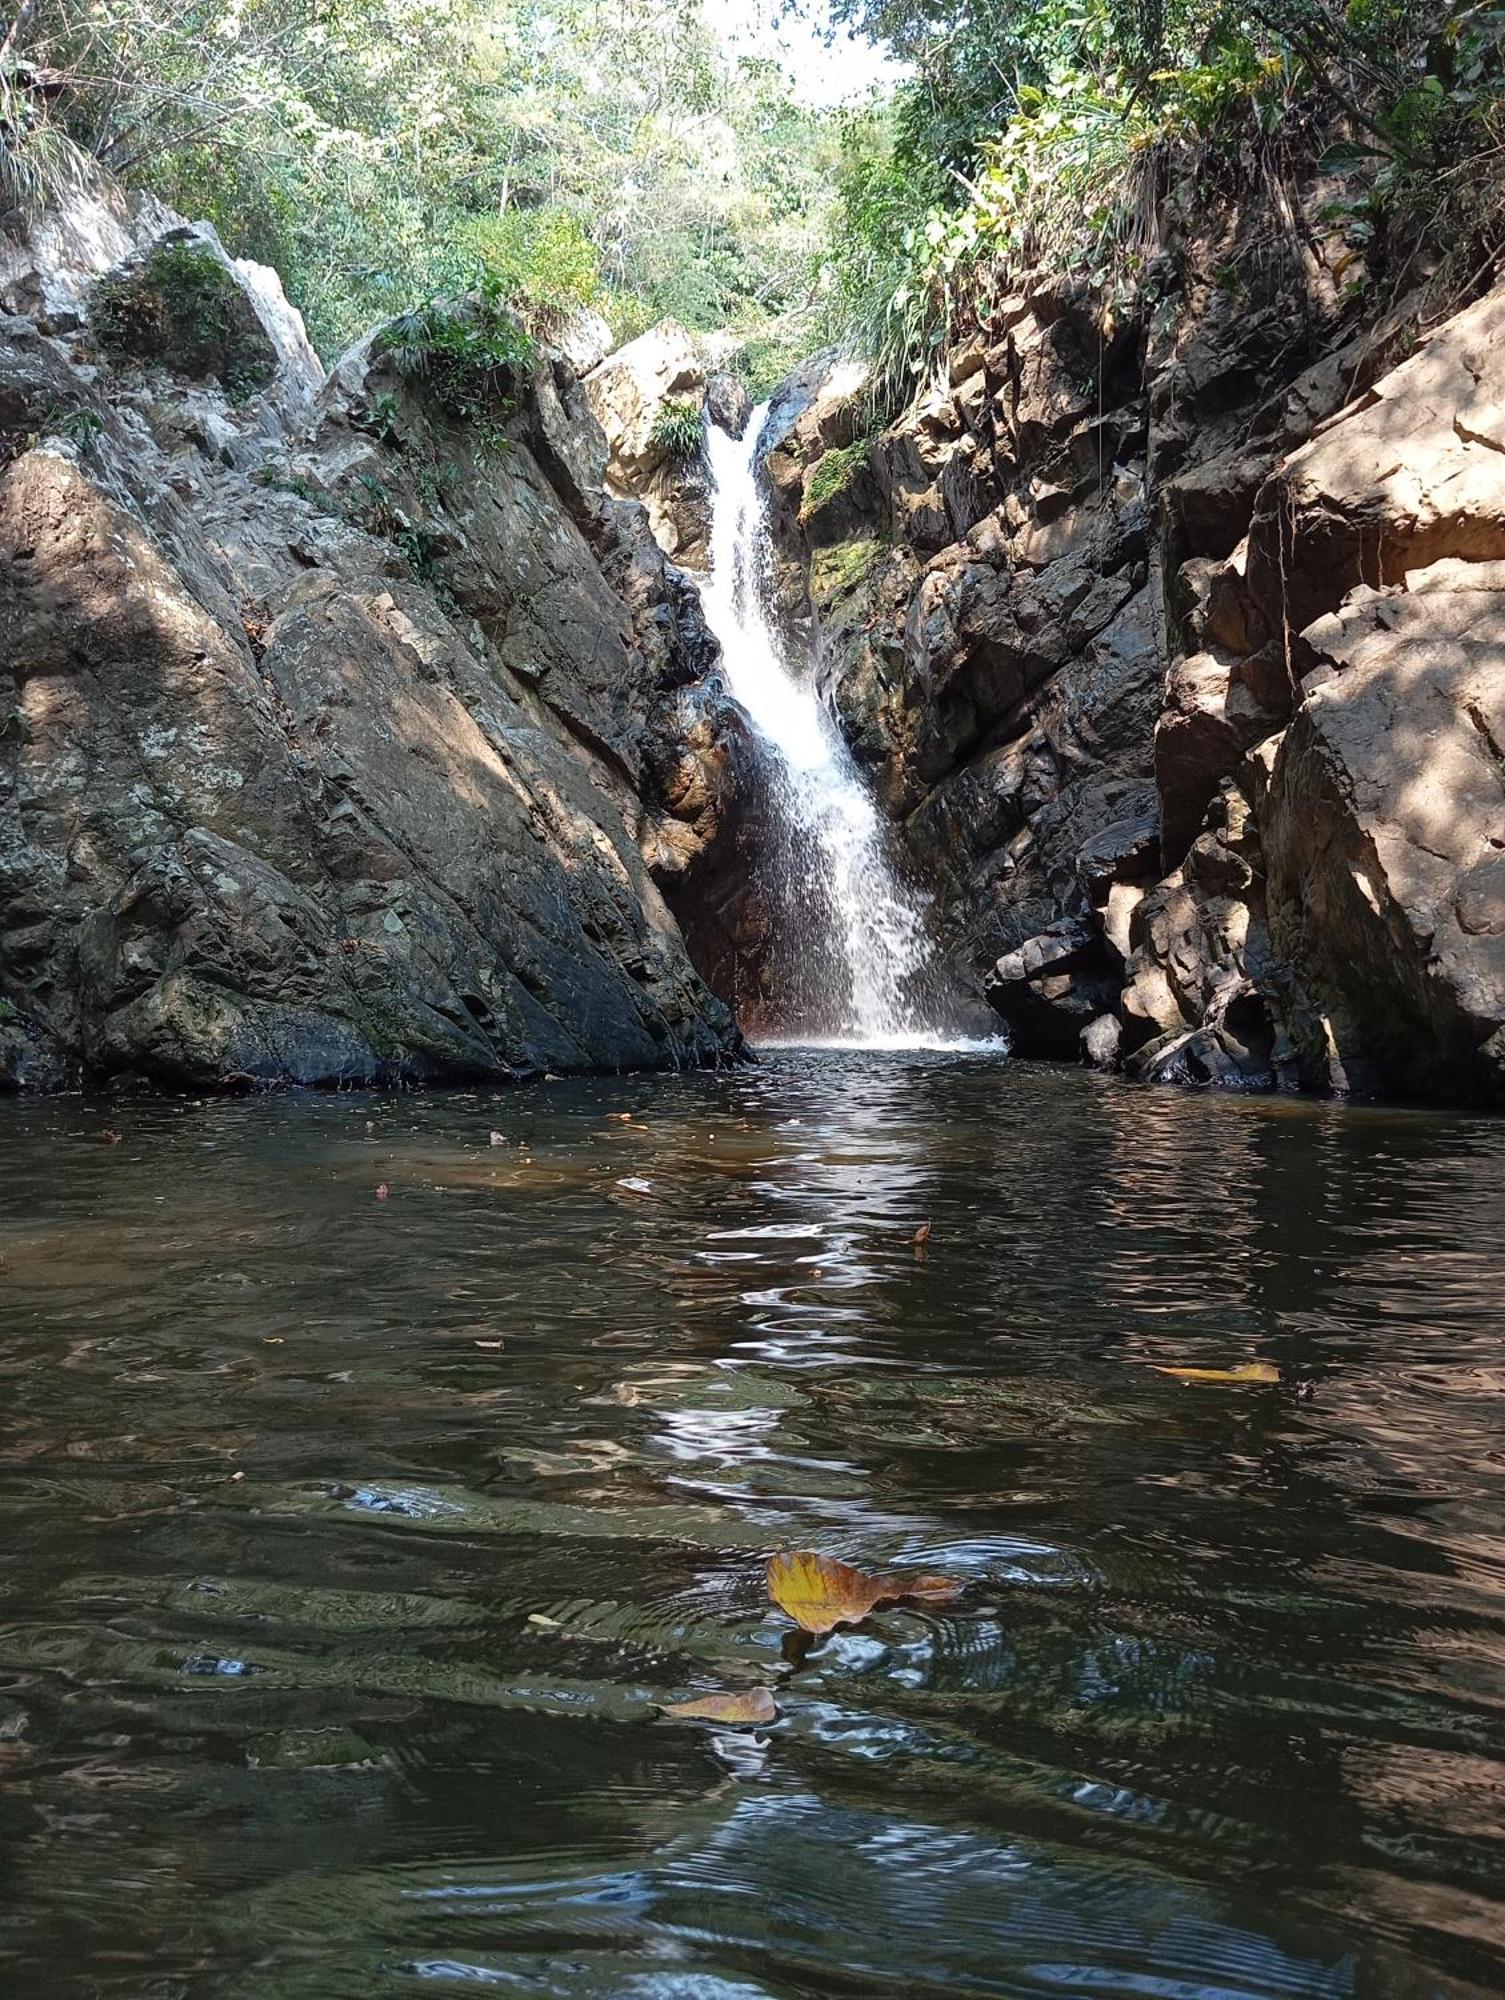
(1169, 641)
(338, 727)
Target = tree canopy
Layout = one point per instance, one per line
(610, 152)
(376, 151)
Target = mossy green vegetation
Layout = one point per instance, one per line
(834, 473)
(468, 354)
(182, 307)
(843, 567)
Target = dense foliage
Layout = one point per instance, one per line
(383, 152)
(1053, 131)
(555, 154)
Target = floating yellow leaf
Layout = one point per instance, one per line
(739, 1711)
(1248, 1371)
(820, 1593)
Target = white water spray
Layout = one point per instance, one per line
(863, 937)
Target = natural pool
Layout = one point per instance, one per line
(347, 1544)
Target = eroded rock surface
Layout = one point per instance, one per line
(336, 729)
(1169, 641)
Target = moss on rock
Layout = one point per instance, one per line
(833, 474)
(843, 567)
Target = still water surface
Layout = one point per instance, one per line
(347, 1545)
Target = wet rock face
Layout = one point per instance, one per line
(335, 729)
(1169, 645)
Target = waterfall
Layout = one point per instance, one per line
(851, 944)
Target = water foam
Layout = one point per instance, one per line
(860, 930)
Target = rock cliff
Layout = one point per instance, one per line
(1167, 632)
(339, 728)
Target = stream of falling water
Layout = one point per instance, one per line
(855, 930)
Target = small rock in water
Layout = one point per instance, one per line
(310, 1750)
(1101, 1039)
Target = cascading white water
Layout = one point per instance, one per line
(860, 924)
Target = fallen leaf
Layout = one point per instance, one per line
(927, 1589)
(1248, 1371)
(741, 1711)
(922, 1234)
(820, 1593)
(498, 1138)
(489, 1346)
(547, 1624)
(109, 1138)
(381, 1192)
(619, 1117)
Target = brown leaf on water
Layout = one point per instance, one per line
(382, 1192)
(109, 1138)
(819, 1593)
(1248, 1371)
(619, 1117)
(921, 1235)
(739, 1711)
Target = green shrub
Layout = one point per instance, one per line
(764, 359)
(468, 355)
(182, 306)
(541, 261)
(679, 427)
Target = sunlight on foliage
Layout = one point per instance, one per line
(679, 427)
(1049, 139)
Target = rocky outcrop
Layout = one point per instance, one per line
(1384, 835)
(336, 728)
(649, 398)
(653, 399)
(1168, 638)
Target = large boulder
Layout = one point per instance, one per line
(1408, 476)
(1384, 836)
(649, 398)
(152, 289)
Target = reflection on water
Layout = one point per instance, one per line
(347, 1545)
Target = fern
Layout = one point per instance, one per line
(679, 426)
